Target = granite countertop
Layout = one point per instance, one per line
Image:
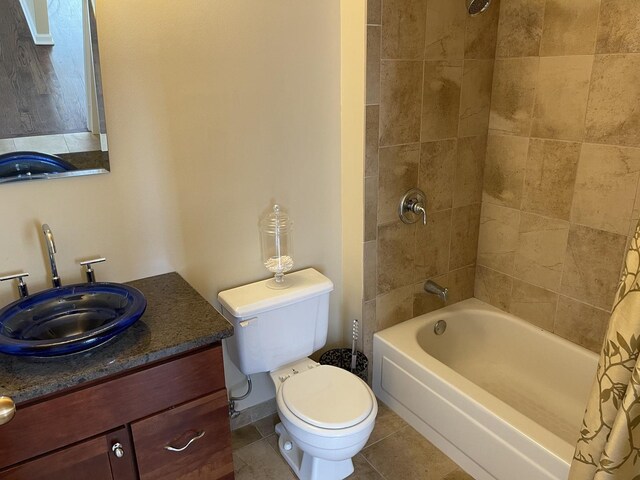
(177, 319)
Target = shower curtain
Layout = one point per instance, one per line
(609, 443)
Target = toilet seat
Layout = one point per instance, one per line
(327, 397)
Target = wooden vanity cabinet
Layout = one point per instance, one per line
(164, 421)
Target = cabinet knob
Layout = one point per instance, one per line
(7, 409)
(117, 450)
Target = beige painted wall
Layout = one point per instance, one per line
(129, 215)
(215, 110)
(248, 93)
(353, 47)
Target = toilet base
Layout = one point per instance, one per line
(307, 467)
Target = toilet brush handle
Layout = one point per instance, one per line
(354, 354)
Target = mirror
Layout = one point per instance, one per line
(52, 121)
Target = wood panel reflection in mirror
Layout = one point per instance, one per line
(51, 98)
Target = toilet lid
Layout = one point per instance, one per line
(327, 397)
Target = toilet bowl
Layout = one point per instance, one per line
(327, 415)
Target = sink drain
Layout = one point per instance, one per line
(440, 327)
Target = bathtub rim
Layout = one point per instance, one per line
(402, 340)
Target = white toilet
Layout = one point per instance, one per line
(327, 413)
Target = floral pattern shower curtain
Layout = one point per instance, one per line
(609, 444)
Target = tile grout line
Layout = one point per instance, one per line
(374, 468)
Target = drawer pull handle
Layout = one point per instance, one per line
(174, 449)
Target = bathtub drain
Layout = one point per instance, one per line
(440, 327)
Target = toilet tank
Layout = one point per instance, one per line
(275, 327)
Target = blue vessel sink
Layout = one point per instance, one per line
(68, 319)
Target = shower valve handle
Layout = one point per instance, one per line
(412, 207)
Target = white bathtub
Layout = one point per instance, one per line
(502, 398)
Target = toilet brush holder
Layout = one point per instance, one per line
(341, 358)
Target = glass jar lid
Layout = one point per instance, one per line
(276, 221)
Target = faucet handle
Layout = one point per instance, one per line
(23, 290)
(418, 209)
(412, 206)
(91, 276)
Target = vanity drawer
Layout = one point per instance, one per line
(190, 441)
(67, 418)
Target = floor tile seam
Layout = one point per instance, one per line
(374, 468)
(249, 444)
(382, 438)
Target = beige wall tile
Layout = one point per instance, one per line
(441, 99)
(592, 265)
(369, 326)
(514, 88)
(542, 245)
(372, 134)
(493, 288)
(612, 114)
(400, 102)
(618, 30)
(467, 188)
(475, 100)
(432, 245)
(550, 177)
(534, 304)
(520, 28)
(461, 284)
(569, 27)
(482, 32)
(373, 65)
(424, 302)
(561, 100)
(445, 30)
(394, 307)
(581, 323)
(370, 208)
(403, 28)
(606, 187)
(465, 223)
(370, 261)
(504, 170)
(437, 170)
(396, 256)
(374, 12)
(498, 239)
(398, 173)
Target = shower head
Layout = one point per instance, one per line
(476, 7)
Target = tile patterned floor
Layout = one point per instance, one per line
(394, 451)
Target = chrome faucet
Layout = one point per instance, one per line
(435, 289)
(51, 249)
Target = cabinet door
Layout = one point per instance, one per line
(86, 460)
(188, 442)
